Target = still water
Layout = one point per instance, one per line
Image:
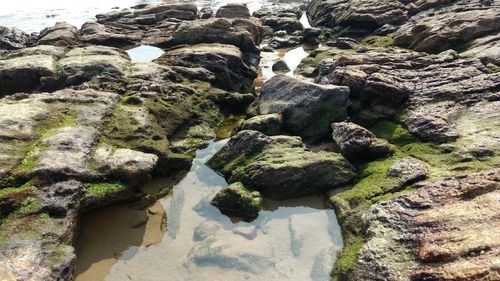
(290, 240)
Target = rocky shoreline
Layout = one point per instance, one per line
(395, 116)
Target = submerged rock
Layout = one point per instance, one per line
(279, 166)
(308, 109)
(236, 199)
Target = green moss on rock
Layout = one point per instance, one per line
(102, 189)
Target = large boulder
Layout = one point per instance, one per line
(435, 233)
(357, 143)
(236, 199)
(141, 24)
(279, 166)
(231, 68)
(110, 35)
(268, 124)
(13, 38)
(83, 64)
(366, 14)
(245, 34)
(233, 11)
(436, 32)
(382, 81)
(308, 109)
(61, 34)
(24, 70)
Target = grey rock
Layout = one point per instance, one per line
(13, 38)
(231, 68)
(448, 29)
(61, 34)
(126, 164)
(280, 66)
(83, 64)
(344, 43)
(357, 143)
(243, 33)
(308, 109)
(24, 70)
(408, 170)
(233, 11)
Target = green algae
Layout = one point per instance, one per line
(376, 41)
(102, 189)
(30, 205)
(227, 127)
(374, 185)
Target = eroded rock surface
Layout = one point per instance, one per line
(308, 109)
(434, 234)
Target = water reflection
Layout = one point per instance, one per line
(144, 53)
(292, 57)
(289, 241)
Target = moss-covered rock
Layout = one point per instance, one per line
(236, 199)
(279, 166)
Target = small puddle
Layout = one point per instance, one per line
(144, 53)
(292, 57)
(290, 240)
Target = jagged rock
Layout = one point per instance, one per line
(357, 143)
(245, 34)
(110, 35)
(435, 122)
(435, 233)
(147, 14)
(449, 28)
(408, 170)
(280, 66)
(310, 35)
(206, 13)
(287, 22)
(25, 69)
(344, 43)
(308, 109)
(236, 199)
(279, 166)
(233, 11)
(287, 41)
(227, 63)
(142, 24)
(382, 80)
(367, 14)
(61, 34)
(268, 124)
(13, 38)
(487, 49)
